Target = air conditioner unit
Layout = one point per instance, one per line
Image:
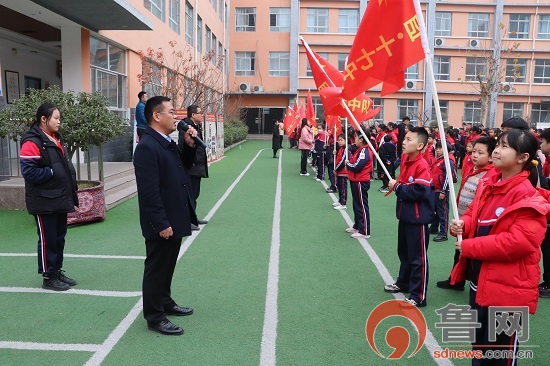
(258, 88)
(474, 43)
(506, 88)
(439, 42)
(244, 87)
(410, 84)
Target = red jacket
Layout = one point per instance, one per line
(515, 215)
(429, 154)
(360, 165)
(439, 176)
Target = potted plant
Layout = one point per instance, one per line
(86, 121)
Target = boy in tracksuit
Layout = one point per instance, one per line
(440, 221)
(341, 173)
(414, 209)
(388, 154)
(359, 169)
(319, 147)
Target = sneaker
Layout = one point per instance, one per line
(447, 285)
(330, 190)
(358, 235)
(334, 204)
(340, 207)
(351, 230)
(544, 284)
(440, 237)
(544, 292)
(55, 284)
(415, 303)
(61, 276)
(384, 190)
(304, 174)
(318, 180)
(393, 288)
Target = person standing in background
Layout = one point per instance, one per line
(141, 122)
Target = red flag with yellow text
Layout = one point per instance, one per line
(361, 106)
(333, 122)
(387, 42)
(310, 109)
(290, 122)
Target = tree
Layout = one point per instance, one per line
(488, 79)
(85, 119)
(186, 80)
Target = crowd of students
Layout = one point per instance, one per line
(503, 205)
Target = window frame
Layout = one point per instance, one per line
(281, 60)
(243, 17)
(475, 22)
(544, 24)
(314, 17)
(510, 73)
(407, 110)
(545, 78)
(351, 19)
(473, 108)
(440, 20)
(516, 24)
(439, 63)
(476, 65)
(278, 15)
(240, 61)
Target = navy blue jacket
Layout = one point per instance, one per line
(164, 188)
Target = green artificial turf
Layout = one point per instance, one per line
(327, 283)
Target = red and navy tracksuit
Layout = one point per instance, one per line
(440, 221)
(414, 211)
(359, 168)
(341, 175)
(320, 149)
(50, 193)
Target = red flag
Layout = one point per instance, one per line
(387, 42)
(290, 122)
(360, 106)
(324, 74)
(333, 123)
(310, 110)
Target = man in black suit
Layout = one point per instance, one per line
(166, 209)
(199, 168)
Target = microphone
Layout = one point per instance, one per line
(183, 127)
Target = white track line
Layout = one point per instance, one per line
(49, 346)
(430, 342)
(269, 333)
(71, 292)
(93, 256)
(115, 336)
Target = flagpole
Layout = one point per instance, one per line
(347, 151)
(334, 151)
(346, 108)
(429, 67)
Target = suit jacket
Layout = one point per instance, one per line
(199, 168)
(164, 188)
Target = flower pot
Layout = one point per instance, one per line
(91, 198)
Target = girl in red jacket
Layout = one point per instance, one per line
(500, 251)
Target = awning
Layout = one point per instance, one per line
(99, 15)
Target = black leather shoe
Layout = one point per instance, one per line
(447, 285)
(440, 237)
(165, 327)
(194, 227)
(179, 311)
(202, 222)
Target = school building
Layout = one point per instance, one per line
(101, 46)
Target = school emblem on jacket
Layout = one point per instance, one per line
(499, 211)
(411, 179)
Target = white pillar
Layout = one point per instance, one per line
(71, 57)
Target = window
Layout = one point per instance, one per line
(108, 73)
(443, 24)
(472, 112)
(407, 107)
(348, 20)
(317, 20)
(220, 54)
(245, 19)
(476, 68)
(279, 19)
(199, 34)
(308, 66)
(478, 25)
(279, 64)
(444, 108)
(174, 17)
(189, 26)
(208, 40)
(542, 72)
(214, 4)
(512, 110)
(220, 10)
(245, 63)
(412, 72)
(156, 7)
(519, 26)
(544, 26)
(319, 108)
(516, 70)
(213, 48)
(342, 57)
(378, 102)
(442, 67)
(540, 112)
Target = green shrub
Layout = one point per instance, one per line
(234, 130)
